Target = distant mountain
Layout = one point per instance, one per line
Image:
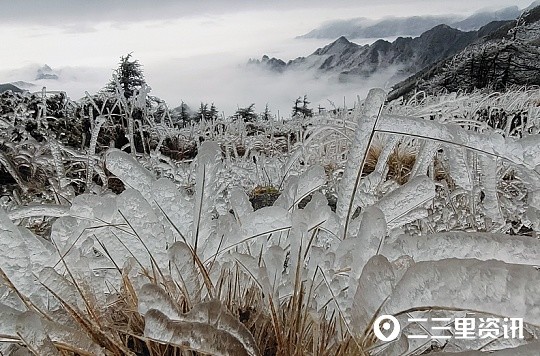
(406, 55)
(508, 55)
(9, 86)
(407, 26)
(46, 72)
(23, 85)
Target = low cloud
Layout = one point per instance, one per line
(223, 80)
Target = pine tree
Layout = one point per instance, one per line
(202, 114)
(184, 114)
(212, 113)
(307, 112)
(303, 110)
(247, 114)
(296, 108)
(266, 115)
(130, 76)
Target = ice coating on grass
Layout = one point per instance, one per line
(240, 204)
(366, 121)
(492, 287)
(150, 296)
(208, 327)
(274, 261)
(9, 316)
(320, 216)
(491, 143)
(129, 171)
(408, 197)
(374, 286)
(424, 157)
(192, 336)
(74, 338)
(522, 151)
(206, 191)
(488, 184)
(458, 166)
(298, 187)
(100, 209)
(355, 251)
(173, 207)
(146, 234)
(382, 161)
(15, 321)
(16, 264)
(457, 244)
(26, 211)
(259, 224)
(32, 332)
(183, 270)
(527, 147)
(64, 289)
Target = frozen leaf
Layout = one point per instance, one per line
(130, 172)
(410, 196)
(207, 328)
(65, 289)
(175, 205)
(488, 184)
(32, 332)
(183, 269)
(456, 244)
(492, 287)
(149, 237)
(458, 167)
(374, 286)
(298, 187)
(153, 297)
(206, 191)
(366, 121)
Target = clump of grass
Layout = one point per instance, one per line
(262, 196)
(399, 163)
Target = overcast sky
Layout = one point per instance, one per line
(191, 50)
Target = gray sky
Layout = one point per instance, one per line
(190, 49)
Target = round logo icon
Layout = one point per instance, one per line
(388, 322)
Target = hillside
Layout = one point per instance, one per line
(507, 56)
(406, 55)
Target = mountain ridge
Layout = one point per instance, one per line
(406, 54)
(362, 27)
(507, 56)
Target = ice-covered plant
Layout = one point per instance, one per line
(158, 269)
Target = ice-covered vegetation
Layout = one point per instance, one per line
(123, 233)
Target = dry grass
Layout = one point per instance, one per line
(400, 162)
(290, 330)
